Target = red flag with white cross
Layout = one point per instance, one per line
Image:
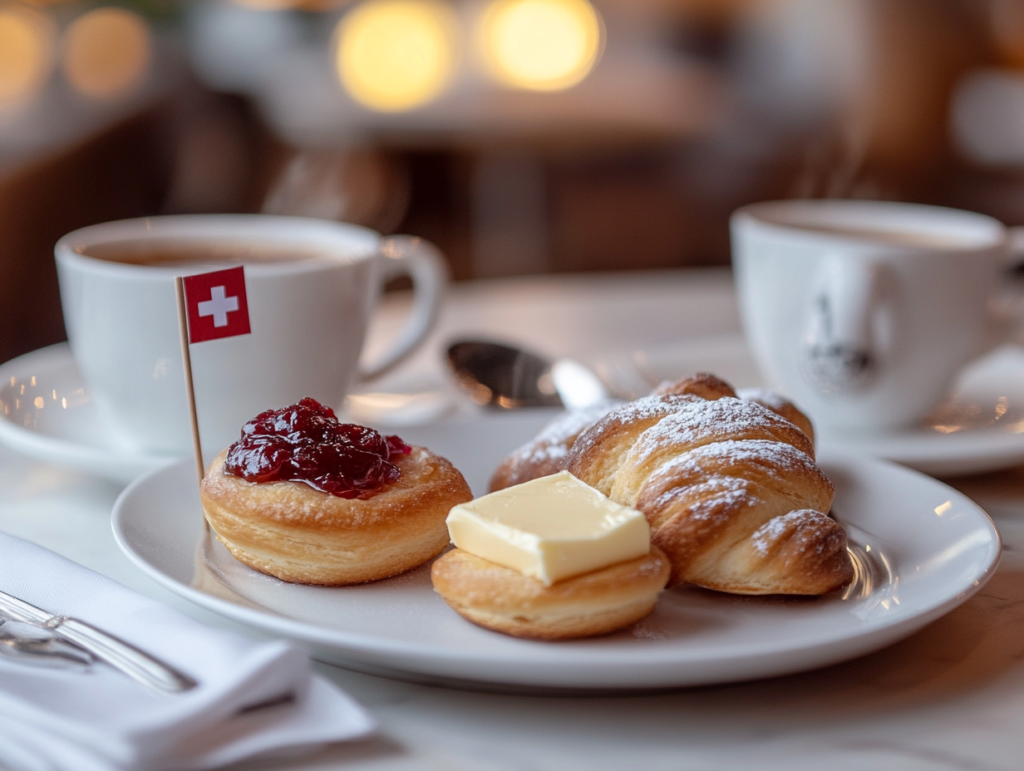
(216, 305)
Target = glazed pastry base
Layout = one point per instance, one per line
(505, 600)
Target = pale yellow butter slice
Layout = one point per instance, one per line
(551, 528)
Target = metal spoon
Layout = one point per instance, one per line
(500, 375)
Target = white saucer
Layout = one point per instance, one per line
(981, 427)
(921, 549)
(46, 413)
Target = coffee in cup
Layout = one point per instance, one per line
(173, 252)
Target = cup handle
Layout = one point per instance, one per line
(841, 351)
(424, 264)
(1007, 317)
(1014, 249)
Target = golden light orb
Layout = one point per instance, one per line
(290, 5)
(106, 52)
(26, 53)
(542, 45)
(395, 55)
(265, 5)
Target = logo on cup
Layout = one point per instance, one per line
(832, 365)
(838, 368)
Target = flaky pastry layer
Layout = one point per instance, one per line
(505, 600)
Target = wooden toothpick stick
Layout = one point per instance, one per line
(186, 360)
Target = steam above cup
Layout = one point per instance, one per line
(312, 286)
(863, 312)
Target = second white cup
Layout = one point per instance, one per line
(863, 312)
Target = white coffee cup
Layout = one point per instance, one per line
(308, 318)
(863, 312)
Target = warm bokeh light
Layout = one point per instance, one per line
(26, 53)
(265, 5)
(544, 45)
(291, 5)
(106, 52)
(396, 54)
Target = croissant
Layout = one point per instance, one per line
(729, 487)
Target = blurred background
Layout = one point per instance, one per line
(521, 136)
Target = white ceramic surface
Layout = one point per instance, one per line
(47, 414)
(979, 427)
(308, 319)
(922, 549)
(864, 311)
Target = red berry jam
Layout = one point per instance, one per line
(307, 443)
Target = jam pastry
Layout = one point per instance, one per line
(311, 500)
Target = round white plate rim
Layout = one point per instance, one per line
(557, 672)
(117, 465)
(962, 452)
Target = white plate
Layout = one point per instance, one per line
(48, 415)
(921, 549)
(980, 428)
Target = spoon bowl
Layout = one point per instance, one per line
(504, 376)
(499, 375)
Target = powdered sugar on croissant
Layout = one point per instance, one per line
(546, 453)
(730, 489)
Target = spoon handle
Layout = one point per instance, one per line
(123, 656)
(39, 647)
(126, 658)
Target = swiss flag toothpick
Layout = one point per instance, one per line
(210, 306)
(217, 305)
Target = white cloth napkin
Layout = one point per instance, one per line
(100, 719)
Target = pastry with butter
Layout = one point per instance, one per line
(550, 559)
(308, 499)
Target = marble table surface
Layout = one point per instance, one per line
(949, 697)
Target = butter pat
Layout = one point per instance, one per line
(551, 528)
